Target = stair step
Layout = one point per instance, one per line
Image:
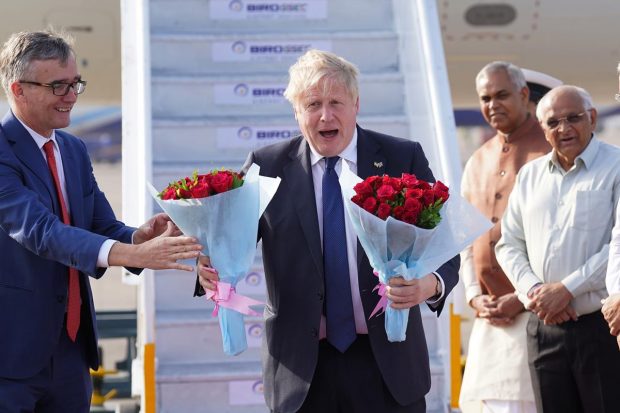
(194, 336)
(218, 16)
(232, 138)
(213, 387)
(206, 96)
(202, 54)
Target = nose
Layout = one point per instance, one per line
(563, 125)
(72, 95)
(493, 103)
(326, 113)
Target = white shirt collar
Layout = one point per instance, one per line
(349, 153)
(39, 139)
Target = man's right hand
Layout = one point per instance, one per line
(159, 253)
(567, 313)
(498, 311)
(611, 312)
(207, 275)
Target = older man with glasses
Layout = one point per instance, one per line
(56, 230)
(554, 248)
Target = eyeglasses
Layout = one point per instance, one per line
(61, 88)
(572, 119)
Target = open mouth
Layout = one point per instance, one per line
(567, 141)
(329, 133)
(63, 110)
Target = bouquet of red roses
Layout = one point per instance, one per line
(408, 228)
(202, 186)
(222, 210)
(406, 199)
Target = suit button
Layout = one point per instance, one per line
(60, 298)
(494, 220)
(498, 196)
(314, 332)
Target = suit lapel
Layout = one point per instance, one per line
(370, 162)
(298, 173)
(26, 150)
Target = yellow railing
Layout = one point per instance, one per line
(149, 378)
(455, 357)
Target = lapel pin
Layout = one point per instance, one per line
(378, 164)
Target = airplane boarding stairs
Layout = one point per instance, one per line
(213, 76)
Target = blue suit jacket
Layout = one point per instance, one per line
(37, 247)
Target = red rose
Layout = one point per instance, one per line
(201, 190)
(395, 183)
(374, 181)
(441, 195)
(413, 205)
(364, 189)
(386, 193)
(370, 204)
(439, 186)
(409, 180)
(441, 191)
(184, 193)
(221, 181)
(358, 199)
(428, 197)
(169, 193)
(398, 212)
(384, 211)
(413, 193)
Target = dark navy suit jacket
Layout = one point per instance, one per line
(36, 247)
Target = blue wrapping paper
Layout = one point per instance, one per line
(226, 225)
(395, 248)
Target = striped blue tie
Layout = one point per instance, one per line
(338, 302)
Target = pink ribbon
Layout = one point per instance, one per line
(383, 302)
(226, 296)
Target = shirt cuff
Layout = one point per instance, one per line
(443, 291)
(574, 283)
(104, 252)
(527, 282)
(472, 292)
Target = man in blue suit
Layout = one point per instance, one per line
(322, 352)
(56, 229)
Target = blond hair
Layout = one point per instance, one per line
(315, 65)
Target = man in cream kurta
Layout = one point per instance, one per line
(554, 248)
(492, 381)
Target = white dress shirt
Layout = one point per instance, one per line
(40, 140)
(613, 268)
(558, 224)
(317, 161)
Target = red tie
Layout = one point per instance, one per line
(73, 301)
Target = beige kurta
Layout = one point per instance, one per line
(497, 360)
(487, 181)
